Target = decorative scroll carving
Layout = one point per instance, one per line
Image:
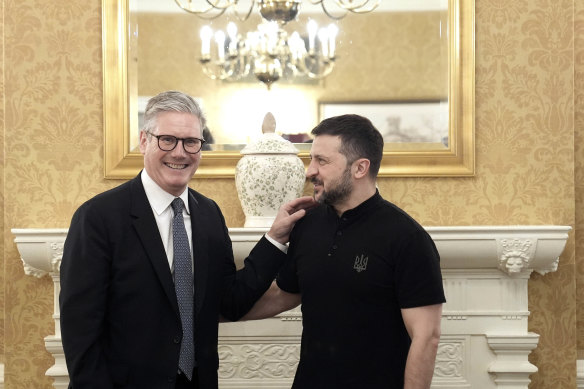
(449, 360)
(258, 360)
(515, 254)
(32, 271)
(551, 268)
(53, 260)
(57, 248)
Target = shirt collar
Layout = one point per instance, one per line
(158, 198)
(360, 209)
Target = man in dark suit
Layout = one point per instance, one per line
(120, 318)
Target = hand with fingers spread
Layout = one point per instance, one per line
(288, 214)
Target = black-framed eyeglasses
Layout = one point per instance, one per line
(169, 142)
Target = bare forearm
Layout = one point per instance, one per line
(273, 302)
(420, 363)
(423, 325)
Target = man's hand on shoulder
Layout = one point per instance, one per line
(288, 214)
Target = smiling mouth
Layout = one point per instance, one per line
(176, 166)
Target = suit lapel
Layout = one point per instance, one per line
(147, 231)
(200, 251)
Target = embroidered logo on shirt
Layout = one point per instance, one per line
(360, 263)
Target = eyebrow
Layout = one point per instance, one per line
(320, 156)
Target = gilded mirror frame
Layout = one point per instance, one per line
(456, 160)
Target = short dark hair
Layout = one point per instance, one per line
(359, 138)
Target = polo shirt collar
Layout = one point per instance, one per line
(362, 208)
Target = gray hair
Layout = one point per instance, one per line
(170, 101)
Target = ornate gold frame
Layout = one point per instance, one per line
(456, 160)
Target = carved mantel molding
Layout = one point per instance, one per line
(511, 249)
(485, 342)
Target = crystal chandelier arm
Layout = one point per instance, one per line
(215, 8)
(327, 13)
(330, 15)
(204, 12)
(246, 15)
(348, 5)
(217, 3)
(210, 16)
(319, 76)
(315, 67)
(355, 7)
(218, 70)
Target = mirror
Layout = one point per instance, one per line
(140, 60)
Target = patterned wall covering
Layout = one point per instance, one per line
(579, 167)
(2, 228)
(526, 158)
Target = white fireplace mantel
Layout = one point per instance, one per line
(485, 342)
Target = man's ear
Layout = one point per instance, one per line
(143, 141)
(362, 167)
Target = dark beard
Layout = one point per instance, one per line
(339, 191)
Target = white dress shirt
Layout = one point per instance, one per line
(160, 201)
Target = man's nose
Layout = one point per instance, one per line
(311, 170)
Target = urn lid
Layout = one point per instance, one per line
(270, 142)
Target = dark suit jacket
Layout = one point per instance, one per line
(119, 315)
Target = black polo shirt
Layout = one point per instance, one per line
(355, 273)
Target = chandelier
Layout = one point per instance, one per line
(270, 53)
(274, 10)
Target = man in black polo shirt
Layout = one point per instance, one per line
(367, 274)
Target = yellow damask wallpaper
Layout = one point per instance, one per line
(2, 229)
(529, 146)
(579, 169)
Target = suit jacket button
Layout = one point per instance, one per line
(177, 340)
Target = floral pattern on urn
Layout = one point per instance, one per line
(268, 174)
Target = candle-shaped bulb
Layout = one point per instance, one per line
(333, 30)
(323, 38)
(232, 34)
(311, 27)
(231, 30)
(206, 34)
(295, 43)
(220, 40)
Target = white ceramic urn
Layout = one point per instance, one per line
(268, 174)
